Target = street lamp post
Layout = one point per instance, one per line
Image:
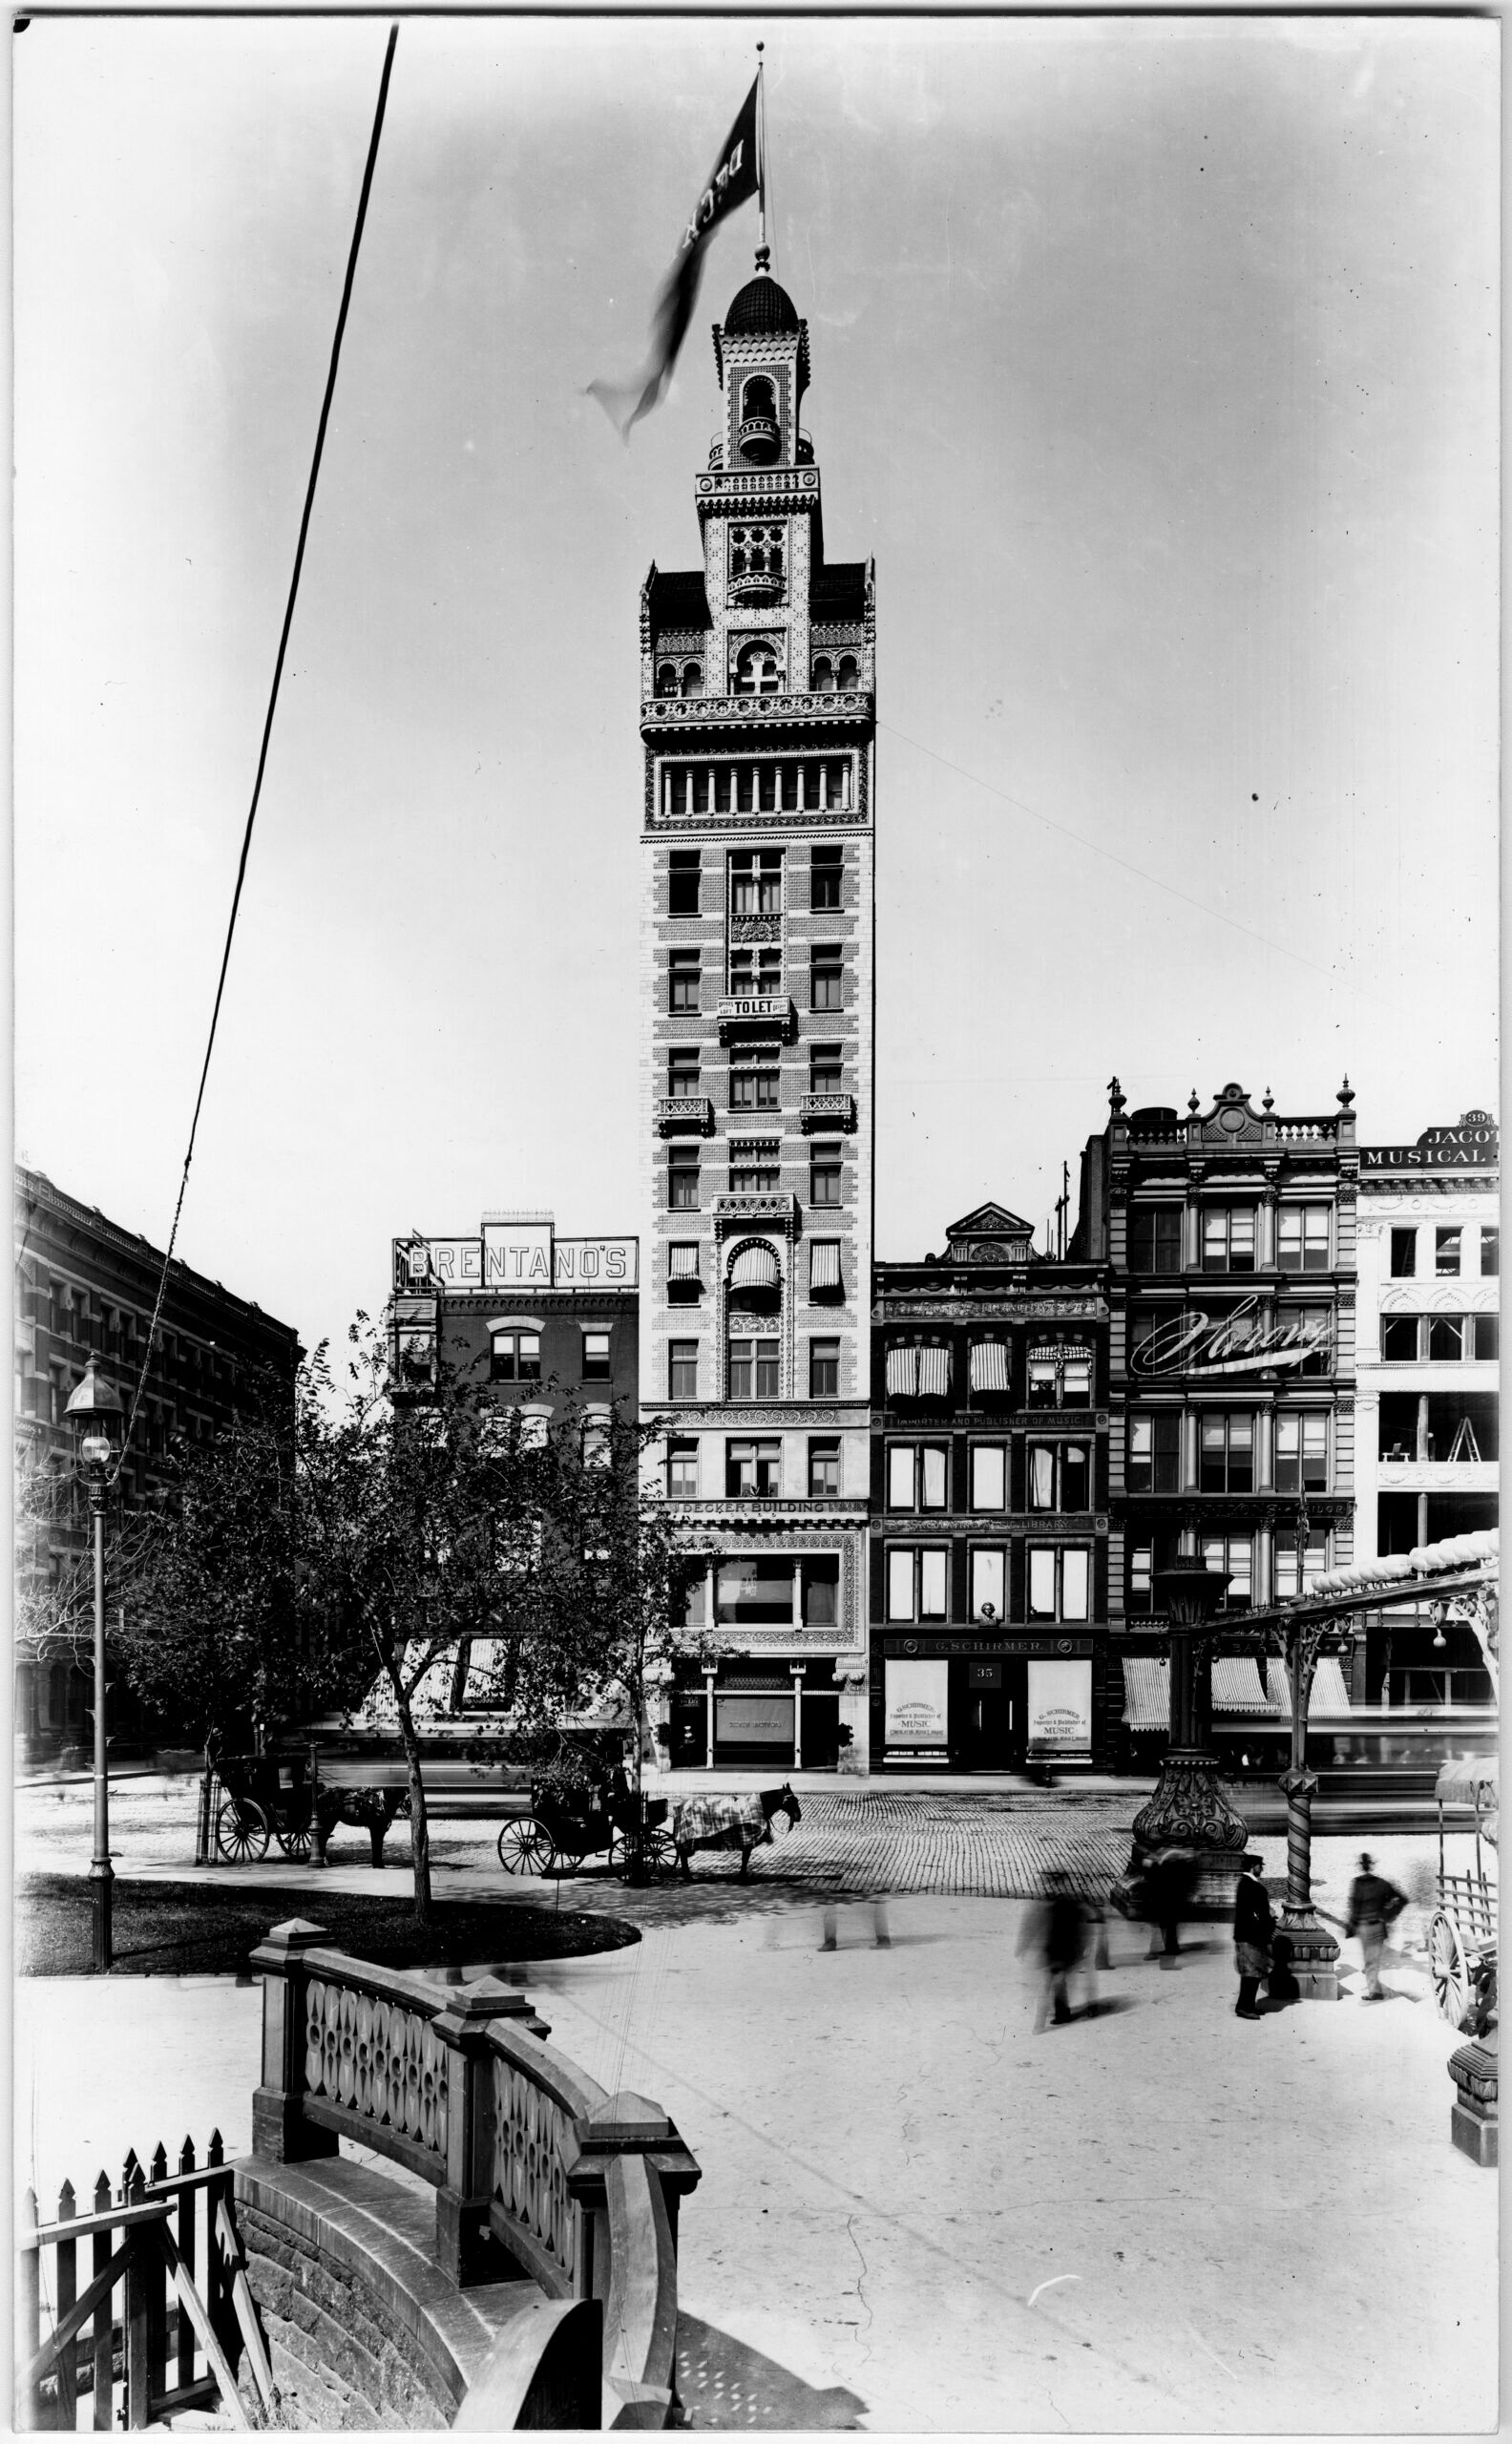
(1187, 1808)
(94, 1404)
(1314, 1952)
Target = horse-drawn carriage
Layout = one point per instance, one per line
(1463, 1931)
(563, 1827)
(251, 1800)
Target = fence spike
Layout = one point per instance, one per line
(159, 2163)
(64, 2206)
(102, 2192)
(186, 2156)
(215, 2153)
(129, 2172)
(28, 2209)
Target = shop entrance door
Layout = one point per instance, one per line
(986, 1712)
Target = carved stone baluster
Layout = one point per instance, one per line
(279, 2128)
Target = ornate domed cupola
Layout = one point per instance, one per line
(762, 353)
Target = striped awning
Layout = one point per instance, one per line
(989, 1366)
(756, 1268)
(824, 1264)
(934, 1373)
(1146, 1691)
(1236, 1686)
(683, 1261)
(1329, 1698)
(902, 1373)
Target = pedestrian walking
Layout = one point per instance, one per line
(1374, 1906)
(1055, 1933)
(1169, 1881)
(1253, 1929)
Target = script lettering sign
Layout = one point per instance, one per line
(1236, 1343)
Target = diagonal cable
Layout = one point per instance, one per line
(267, 725)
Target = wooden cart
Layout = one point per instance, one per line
(557, 1835)
(1463, 1931)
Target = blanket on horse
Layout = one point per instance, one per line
(719, 1823)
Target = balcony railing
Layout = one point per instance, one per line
(828, 1112)
(765, 1209)
(685, 1114)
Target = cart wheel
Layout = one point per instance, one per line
(1449, 1969)
(297, 1845)
(241, 1831)
(566, 1862)
(523, 1847)
(661, 1851)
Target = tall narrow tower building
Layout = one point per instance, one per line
(758, 720)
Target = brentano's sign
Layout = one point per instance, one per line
(1237, 1343)
(515, 1256)
(1474, 1141)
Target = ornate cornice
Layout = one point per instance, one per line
(1005, 1306)
(915, 1526)
(677, 713)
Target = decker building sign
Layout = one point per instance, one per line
(515, 1256)
(1473, 1143)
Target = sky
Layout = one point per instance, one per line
(1155, 361)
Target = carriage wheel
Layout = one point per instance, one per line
(241, 1831)
(566, 1862)
(523, 1847)
(1449, 1969)
(661, 1851)
(297, 1845)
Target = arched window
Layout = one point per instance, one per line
(756, 672)
(758, 398)
(823, 675)
(667, 679)
(848, 675)
(692, 678)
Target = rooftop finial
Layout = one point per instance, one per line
(1117, 1097)
(1346, 1092)
(1192, 1103)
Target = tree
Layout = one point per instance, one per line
(593, 1620)
(419, 1515)
(213, 1631)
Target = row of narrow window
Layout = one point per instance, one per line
(753, 1368)
(754, 881)
(813, 785)
(755, 971)
(757, 670)
(755, 1171)
(754, 1074)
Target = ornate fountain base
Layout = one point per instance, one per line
(1187, 1810)
(1315, 1954)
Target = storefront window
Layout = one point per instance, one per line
(758, 1590)
(821, 1591)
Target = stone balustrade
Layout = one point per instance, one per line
(538, 2172)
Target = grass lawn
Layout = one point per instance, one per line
(190, 1930)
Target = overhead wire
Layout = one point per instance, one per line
(267, 730)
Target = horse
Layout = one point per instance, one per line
(719, 1824)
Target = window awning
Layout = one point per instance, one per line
(1236, 1688)
(824, 1264)
(683, 1261)
(1146, 1691)
(902, 1373)
(1330, 1698)
(935, 1372)
(756, 1268)
(989, 1366)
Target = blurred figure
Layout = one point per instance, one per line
(1169, 1881)
(1281, 1985)
(1373, 1904)
(1253, 1928)
(1055, 1933)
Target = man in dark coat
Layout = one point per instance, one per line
(1254, 1927)
(1373, 1904)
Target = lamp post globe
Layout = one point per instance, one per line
(94, 1408)
(1187, 1810)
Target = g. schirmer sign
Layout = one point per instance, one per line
(1472, 1145)
(519, 1255)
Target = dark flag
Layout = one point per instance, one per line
(735, 179)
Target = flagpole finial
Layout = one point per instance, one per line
(764, 259)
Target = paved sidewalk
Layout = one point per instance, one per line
(917, 2215)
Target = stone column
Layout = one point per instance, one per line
(463, 2239)
(280, 2131)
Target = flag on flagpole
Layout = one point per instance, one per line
(736, 176)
